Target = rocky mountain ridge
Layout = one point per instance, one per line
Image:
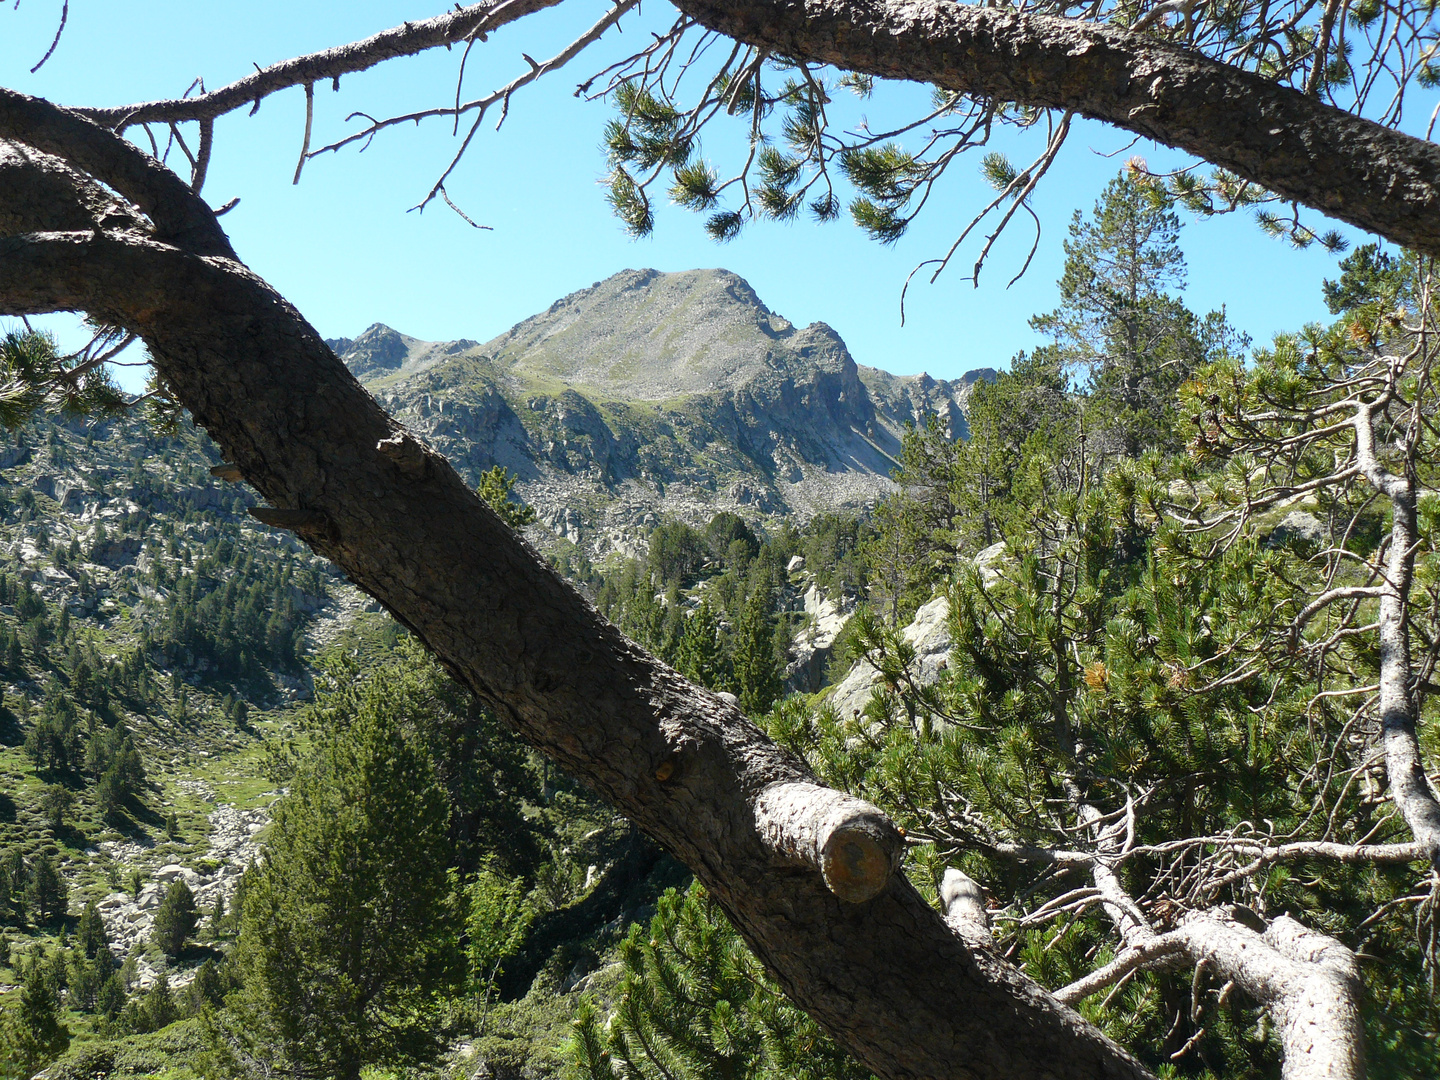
(656, 393)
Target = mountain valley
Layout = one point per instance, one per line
(142, 607)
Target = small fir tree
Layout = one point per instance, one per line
(757, 674)
(695, 1003)
(90, 936)
(348, 928)
(497, 488)
(32, 1036)
(47, 895)
(176, 919)
(56, 802)
(111, 1000)
(700, 655)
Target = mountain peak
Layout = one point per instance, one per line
(647, 335)
(377, 350)
(653, 392)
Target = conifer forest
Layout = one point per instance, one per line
(380, 708)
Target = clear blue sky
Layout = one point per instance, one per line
(343, 248)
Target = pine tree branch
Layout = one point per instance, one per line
(179, 214)
(464, 25)
(1290, 144)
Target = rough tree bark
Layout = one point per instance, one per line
(886, 975)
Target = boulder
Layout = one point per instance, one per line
(814, 645)
(988, 563)
(928, 632)
(1299, 527)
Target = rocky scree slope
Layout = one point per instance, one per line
(659, 393)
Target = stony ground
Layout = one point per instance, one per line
(215, 876)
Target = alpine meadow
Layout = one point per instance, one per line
(655, 692)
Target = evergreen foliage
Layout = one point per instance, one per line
(1125, 653)
(56, 803)
(46, 893)
(1119, 663)
(175, 919)
(497, 488)
(695, 1003)
(700, 655)
(1118, 326)
(32, 1035)
(90, 936)
(34, 377)
(483, 770)
(731, 634)
(348, 928)
(757, 668)
(496, 924)
(236, 612)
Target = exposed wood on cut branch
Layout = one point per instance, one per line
(964, 903)
(1296, 146)
(854, 845)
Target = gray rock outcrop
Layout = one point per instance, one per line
(928, 632)
(1297, 527)
(814, 645)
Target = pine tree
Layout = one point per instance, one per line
(111, 1000)
(694, 1004)
(47, 895)
(14, 873)
(158, 1009)
(90, 936)
(757, 673)
(700, 655)
(347, 930)
(110, 795)
(32, 1036)
(176, 919)
(55, 803)
(208, 987)
(497, 488)
(85, 977)
(1117, 324)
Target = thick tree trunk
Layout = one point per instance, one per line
(885, 975)
(1291, 144)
